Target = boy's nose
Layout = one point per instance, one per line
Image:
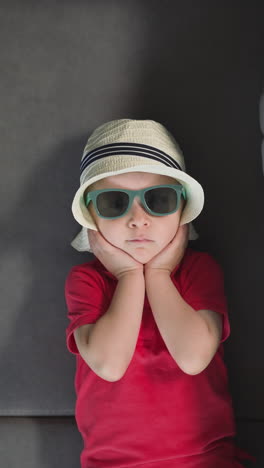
(137, 215)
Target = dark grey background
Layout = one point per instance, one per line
(67, 67)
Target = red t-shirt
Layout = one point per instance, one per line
(155, 415)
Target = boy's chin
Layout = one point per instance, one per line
(142, 257)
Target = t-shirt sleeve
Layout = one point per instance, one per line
(85, 299)
(203, 287)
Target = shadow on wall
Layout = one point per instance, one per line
(35, 257)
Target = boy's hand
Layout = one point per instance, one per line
(172, 254)
(114, 259)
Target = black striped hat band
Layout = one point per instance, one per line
(128, 149)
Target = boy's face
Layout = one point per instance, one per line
(138, 233)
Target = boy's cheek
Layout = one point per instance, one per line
(92, 213)
(93, 216)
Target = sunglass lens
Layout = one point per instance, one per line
(161, 200)
(112, 204)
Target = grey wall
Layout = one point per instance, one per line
(67, 67)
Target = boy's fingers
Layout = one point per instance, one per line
(184, 228)
(91, 234)
(184, 235)
(94, 237)
(184, 231)
(99, 241)
(181, 234)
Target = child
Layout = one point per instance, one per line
(148, 315)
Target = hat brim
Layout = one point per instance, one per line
(193, 207)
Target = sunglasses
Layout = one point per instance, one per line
(158, 200)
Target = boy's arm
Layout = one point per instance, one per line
(192, 337)
(108, 346)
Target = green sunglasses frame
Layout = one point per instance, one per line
(92, 196)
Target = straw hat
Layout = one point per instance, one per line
(126, 145)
